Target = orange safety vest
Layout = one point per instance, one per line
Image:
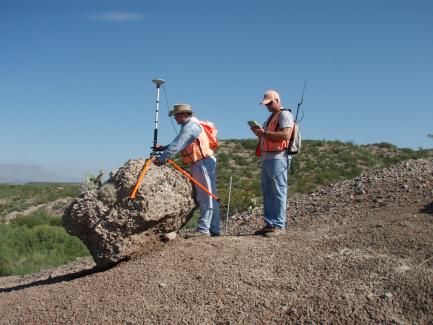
(269, 145)
(199, 149)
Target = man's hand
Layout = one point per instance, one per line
(258, 131)
(155, 160)
(158, 147)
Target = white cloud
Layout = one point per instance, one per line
(116, 16)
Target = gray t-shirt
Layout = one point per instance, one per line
(286, 120)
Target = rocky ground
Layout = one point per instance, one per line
(359, 251)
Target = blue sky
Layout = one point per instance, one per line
(76, 91)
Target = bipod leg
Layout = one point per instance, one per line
(140, 178)
(195, 182)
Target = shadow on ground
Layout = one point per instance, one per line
(428, 208)
(57, 279)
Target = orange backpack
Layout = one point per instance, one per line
(211, 132)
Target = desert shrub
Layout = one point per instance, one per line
(315, 143)
(313, 151)
(223, 159)
(386, 145)
(249, 144)
(365, 158)
(241, 161)
(346, 156)
(37, 218)
(34, 242)
(303, 184)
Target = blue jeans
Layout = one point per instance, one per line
(274, 189)
(204, 171)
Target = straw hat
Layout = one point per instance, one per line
(180, 108)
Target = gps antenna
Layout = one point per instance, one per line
(301, 102)
(158, 83)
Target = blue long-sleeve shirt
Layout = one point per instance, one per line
(187, 134)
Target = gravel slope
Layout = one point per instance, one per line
(359, 251)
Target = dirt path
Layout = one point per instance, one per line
(357, 259)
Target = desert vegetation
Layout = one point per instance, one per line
(30, 243)
(18, 198)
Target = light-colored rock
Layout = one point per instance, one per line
(113, 228)
(170, 236)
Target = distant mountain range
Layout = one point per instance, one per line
(21, 174)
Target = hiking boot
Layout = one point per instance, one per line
(215, 234)
(263, 231)
(197, 234)
(276, 232)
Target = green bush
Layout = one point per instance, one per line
(34, 242)
(37, 218)
(249, 144)
(386, 145)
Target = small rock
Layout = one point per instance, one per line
(170, 236)
(386, 295)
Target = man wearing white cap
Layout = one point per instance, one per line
(193, 144)
(274, 137)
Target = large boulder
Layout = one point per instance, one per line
(113, 227)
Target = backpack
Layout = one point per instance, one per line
(211, 132)
(295, 142)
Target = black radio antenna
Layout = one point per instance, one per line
(301, 102)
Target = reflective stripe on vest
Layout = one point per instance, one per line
(197, 150)
(269, 145)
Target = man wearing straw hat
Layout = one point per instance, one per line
(193, 144)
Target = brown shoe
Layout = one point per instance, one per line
(197, 234)
(276, 232)
(263, 231)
